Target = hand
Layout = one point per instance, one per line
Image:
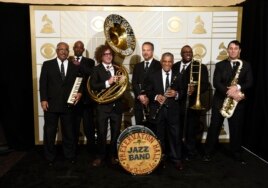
(238, 96)
(77, 97)
(171, 93)
(44, 105)
(231, 90)
(143, 99)
(190, 89)
(112, 80)
(161, 99)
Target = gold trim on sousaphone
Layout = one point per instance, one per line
(120, 37)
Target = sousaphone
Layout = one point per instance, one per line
(120, 37)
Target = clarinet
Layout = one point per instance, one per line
(164, 103)
(145, 109)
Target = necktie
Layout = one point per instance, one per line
(146, 66)
(183, 69)
(77, 59)
(167, 81)
(62, 72)
(234, 65)
(108, 71)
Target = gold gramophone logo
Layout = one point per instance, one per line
(199, 26)
(223, 52)
(199, 50)
(47, 27)
(174, 24)
(48, 50)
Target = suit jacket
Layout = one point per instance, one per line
(97, 83)
(155, 86)
(185, 80)
(223, 76)
(52, 88)
(86, 70)
(139, 75)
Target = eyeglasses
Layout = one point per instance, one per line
(62, 50)
(107, 54)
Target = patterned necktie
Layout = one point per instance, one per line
(108, 71)
(62, 72)
(167, 81)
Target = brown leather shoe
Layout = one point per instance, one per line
(179, 165)
(96, 162)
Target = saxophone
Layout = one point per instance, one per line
(229, 103)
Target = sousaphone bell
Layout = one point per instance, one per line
(120, 37)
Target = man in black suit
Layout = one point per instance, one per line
(223, 76)
(163, 90)
(56, 81)
(84, 109)
(140, 73)
(191, 124)
(103, 77)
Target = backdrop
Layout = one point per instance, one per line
(17, 115)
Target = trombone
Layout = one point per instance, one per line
(195, 79)
(196, 62)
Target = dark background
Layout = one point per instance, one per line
(16, 107)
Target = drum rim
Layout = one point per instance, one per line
(128, 129)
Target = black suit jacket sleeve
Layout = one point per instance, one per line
(223, 77)
(86, 70)
(137, 78)
(98, 78)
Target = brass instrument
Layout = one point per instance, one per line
(120, 37)
(115, 91)
(229, 103)
(195, 79)
(165, 95)
(198, 60)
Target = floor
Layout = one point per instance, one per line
(8, 158)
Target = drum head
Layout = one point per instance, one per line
(131, 130)
(139, 152)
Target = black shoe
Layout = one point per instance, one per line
(72, 160)
(162, 164)
(191, 157)
(179, 166)
(97, 162)
(207, 158)
(114, 161)
(240, 160)
(50, 163)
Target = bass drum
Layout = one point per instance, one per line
(139, 151)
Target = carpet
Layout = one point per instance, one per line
(32, 172)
